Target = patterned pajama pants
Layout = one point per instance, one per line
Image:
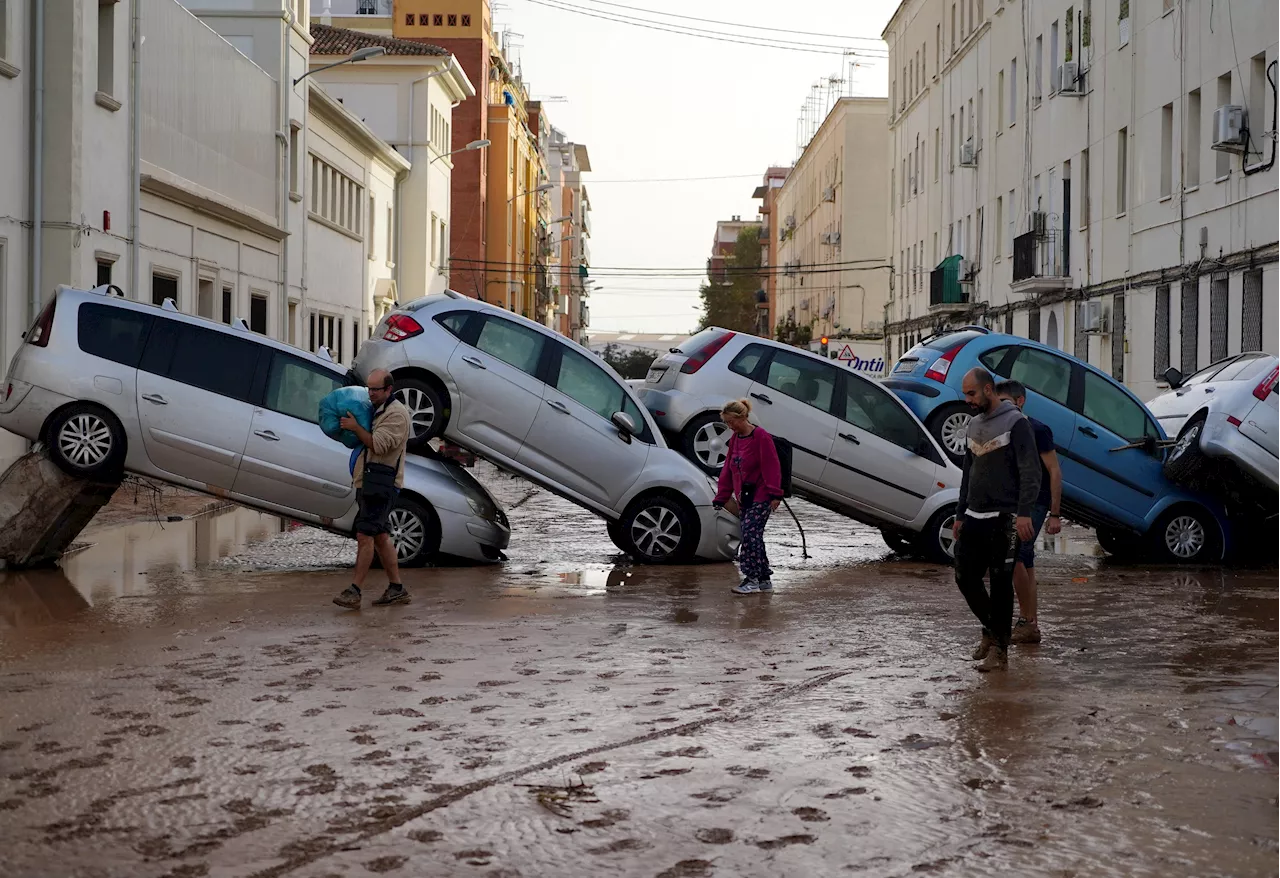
(752, 559)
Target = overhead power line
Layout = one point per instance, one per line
(778, 30)
(674, 179)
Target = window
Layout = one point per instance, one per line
(872, 409)
(4, 29)
(335, 197)
(466, 21)
(104, 273)
(1124, 23)
(1055, 82)
(106, 46)
(1257, 112)
(1251, 311)
(1122, 171)
(937, 154)
(1042, 372)
(115, 334)
(1246, 367)
(748, 359)
(1218, 317)
(937, 48)
(1166, 151)
(951, 145)
(1117, 337)
(228, 293)
(1013, 91)
(811, 382)
(583, 381)
(511, 343)
(295, 161)
(1086, 25)
(1224, 97)
(1161, 341)
(993, 358)
(999, 102)
(1039, 58)
(1191, 123)
(434, 243)
(163, 287)
(1108, 406)
(295, 387)
(443, 259)
(1033, 324)
(1085, 201)
(203, 358)
(1189, 340)
(258, 313)
(391, 236)
(371, 232)
(453, 21)
(999, 220)
(454, 321)
(953, 29)
(437, 20)
(1069, 32)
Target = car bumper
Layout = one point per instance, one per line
(672, 409)
(472, 538)
(27, 408)
(377, 353)
(721, 534)
(1223, 439)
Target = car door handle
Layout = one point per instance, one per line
(155, 398)
(1088, 431)
(764, 399)
(267, 434)
(558, 406)
(850, 437)
(472, 361)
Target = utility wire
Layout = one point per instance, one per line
(744, 26)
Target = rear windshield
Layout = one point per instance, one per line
(951, 339)
(703, 339)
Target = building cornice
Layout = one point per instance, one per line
(163, 184)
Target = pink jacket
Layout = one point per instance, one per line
(752, 460)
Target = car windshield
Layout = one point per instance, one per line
(1208, 372)
(695, 345)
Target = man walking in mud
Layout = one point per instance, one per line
(997, 494)
(378, 477)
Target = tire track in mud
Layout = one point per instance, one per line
(461, 792)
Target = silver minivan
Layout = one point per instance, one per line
(111, 385)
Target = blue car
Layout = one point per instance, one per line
(1121, 491)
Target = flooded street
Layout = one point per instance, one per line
(182, 699)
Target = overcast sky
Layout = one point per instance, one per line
(650, 104)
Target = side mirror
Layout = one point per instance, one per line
(1173, 376)
(626, 425)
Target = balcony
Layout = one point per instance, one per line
(1040, 263)
(946, 291)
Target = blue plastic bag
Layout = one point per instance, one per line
(355, 455)
(337, 404)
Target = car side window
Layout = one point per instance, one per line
(871, 409)
(748, 359)
(455, 321)
(203, 358)
(801, 378)
(115, 334)
(295, 387)
(584, 382)
(993, 358)
(1110, 407)
(1044, 373)
(511, 343)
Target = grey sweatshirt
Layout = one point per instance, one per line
(1001, 466)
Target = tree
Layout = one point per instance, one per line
(632, 363)
(732, 304)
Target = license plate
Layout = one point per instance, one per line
(655, 375)
(905, 366)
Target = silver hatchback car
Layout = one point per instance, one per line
(539, 405)
(113, 386)
(857, 449)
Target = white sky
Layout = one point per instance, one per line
(650, 104)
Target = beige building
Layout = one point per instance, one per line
(1093, 174)
(832, 249)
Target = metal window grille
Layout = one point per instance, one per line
(1033, 324)
(1117, 337)
(1251, 317)
(1218, 318)
(1161, 342)
(1008, 323)
(1189, 337)
(1081, 337)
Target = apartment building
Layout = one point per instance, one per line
(570, 229)
(833, 250)
(1095, 175)
(767, 192)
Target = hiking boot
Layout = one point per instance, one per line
(395, 594)
(1025, 632)
(747, 587)
(997, 660)
(984, 646)
(349, 599)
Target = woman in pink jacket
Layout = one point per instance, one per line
(752, 476)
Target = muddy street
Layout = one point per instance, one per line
(182, 699)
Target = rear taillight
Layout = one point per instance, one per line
(941, 366)
(707, 351)
(1233, 420)
(1266, 384)
(39, 334)
(400, 327)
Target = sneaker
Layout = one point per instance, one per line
(997, 660)
(765, 585)
(349, 599)
(747, 587)
(984, 646)
(1025, 632)
(395, 594)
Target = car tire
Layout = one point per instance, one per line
(86, 441)
(415, 532)
(1186, 535)
(1186, 461)
(705, 441)
(615, 535)
(1119, 543)
(428, 409)
(658, 530)
(947, 425)
(898, 542)
(936, 542)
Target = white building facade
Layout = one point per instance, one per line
(1053, 173)
(570, 258)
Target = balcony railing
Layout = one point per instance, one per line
(945, 289)
(1040, 262)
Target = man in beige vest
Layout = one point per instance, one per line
(378, 477)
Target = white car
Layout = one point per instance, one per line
(538, 405)
(1226, 412)
(112, 385)
(857, 448)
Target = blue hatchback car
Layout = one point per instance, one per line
(1121, 491)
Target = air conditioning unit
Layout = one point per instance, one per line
(804, 305)
(1095, 317)
(835, 239)
(1039, 222)
(829, 194)
(1069, 79)
(789, 223)
(968, 154)
(966, 269)
(1228, 128)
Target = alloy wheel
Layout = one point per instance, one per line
(946, 537)
(1186, 442)
(1185, 537)
(711, 444)
(656, 531)
(954, 429)
(422, 411)
(85, 440)
(408, 533)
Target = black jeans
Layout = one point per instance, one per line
(988, 545)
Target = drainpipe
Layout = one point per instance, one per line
(282, 135)
(37, 146)
(135, 108)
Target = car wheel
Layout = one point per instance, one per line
(428, 411)
(658, 530)
(705, 441)
(415, 532)
(617, 536)
(86, 441)
(1186, 535)
(937, 542)
(949, 425)
(1185, 460)
(898, 542)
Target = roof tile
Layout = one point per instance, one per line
(342, 41)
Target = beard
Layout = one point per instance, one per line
(981, 407)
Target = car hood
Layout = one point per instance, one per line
(1172, 408)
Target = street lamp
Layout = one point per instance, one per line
(358, 55)
(475, 144)
(545, 187)
(560, 219)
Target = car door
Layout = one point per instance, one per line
(1123, 482)
(875, 460)
(288, 460)
(495, 370)
(195, 387)
(1047, 378)
(573, 441)
(793, 399)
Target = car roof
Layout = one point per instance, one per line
(999, 339)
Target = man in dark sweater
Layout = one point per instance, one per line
(997, 493)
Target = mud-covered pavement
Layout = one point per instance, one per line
(184, 702)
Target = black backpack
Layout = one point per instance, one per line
(784, 460)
